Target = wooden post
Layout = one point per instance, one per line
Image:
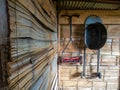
(3, 43)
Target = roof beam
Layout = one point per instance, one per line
(108, 17)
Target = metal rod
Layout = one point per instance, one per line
(98, 61)
(70, 17)
(70, 22)
(65, 47)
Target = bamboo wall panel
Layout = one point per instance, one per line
(33, 45)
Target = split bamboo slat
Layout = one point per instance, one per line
(33, 43)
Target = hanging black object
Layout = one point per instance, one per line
(95, 33)
(95, 38)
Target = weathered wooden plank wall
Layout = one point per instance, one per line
(69, 76)
(33, 45)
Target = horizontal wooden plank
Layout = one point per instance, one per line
(108, 17)
(31, 8)
(70, 83)
(84, 83)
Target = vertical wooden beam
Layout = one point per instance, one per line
(58, 25)
(3, 43)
